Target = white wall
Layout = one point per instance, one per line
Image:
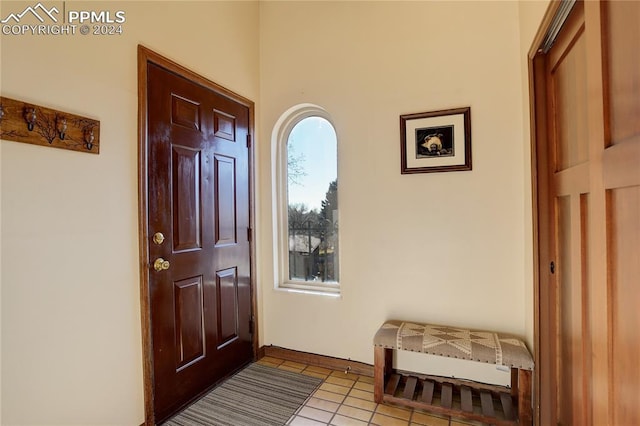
(71, 345)
(444, 247)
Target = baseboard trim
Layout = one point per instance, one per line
(260, 353)
(316, 360)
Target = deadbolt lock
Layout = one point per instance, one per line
(158, 238)
(161, 265)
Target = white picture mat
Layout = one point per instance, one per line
(412, 125)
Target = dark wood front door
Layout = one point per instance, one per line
(200, 300)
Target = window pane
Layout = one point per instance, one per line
(312, 195)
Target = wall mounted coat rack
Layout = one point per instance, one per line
(29, 123)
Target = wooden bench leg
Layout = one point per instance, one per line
(382, 365)
(524, 397)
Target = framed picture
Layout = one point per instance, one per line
(437, 141)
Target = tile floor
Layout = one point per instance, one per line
(347, 400)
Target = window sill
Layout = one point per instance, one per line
(333, 292)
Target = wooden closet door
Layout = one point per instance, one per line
(587, 137)
(621, 181)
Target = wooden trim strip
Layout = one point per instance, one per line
(48, 127)
(621, 164)
(143, 236)
(324, 361)
(547, 20)
(572, 181)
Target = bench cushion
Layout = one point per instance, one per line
(475, 345)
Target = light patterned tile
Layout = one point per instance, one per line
(382, 420)
(364, 386)
(388, 410)
(314, 374)
(344, 375)
(360, 403)
(339, 381)
(329, 396)
(466, 423)
(303, 421)
(356, 413)
(272, 360)
(295, 365)
(428, 419)
(289, 368)
(315, 414)
(322, 404)
(366, 379)
(267, 363)
(334, 388)
(319, 369)
(357, 393)
(339, 420)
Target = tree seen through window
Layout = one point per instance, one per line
(312, 201)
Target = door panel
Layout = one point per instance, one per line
(189, 320)
(569, 158)
(200, 305)
(566, 333)
(625, 294)
(623, 59)
(621, 164)
(187, 205)
(227, 306)
(185, 112)
(570, 92)
(225, 217)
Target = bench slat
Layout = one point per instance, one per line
(487, 404)
(446, 395)
(392, 384)
(410, 388)
(466, 399)
(427, 392)
(507, 406)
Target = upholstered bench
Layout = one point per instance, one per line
(497, 405)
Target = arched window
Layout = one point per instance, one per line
(306, 208)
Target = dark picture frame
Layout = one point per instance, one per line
(435, 141)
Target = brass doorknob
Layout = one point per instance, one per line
(158, 238)
(161, 265)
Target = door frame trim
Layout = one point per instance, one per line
(539, 140)
(146, 56)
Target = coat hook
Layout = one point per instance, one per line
(61, 126)
(1, 112)
(30, 117)
(88, 138)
